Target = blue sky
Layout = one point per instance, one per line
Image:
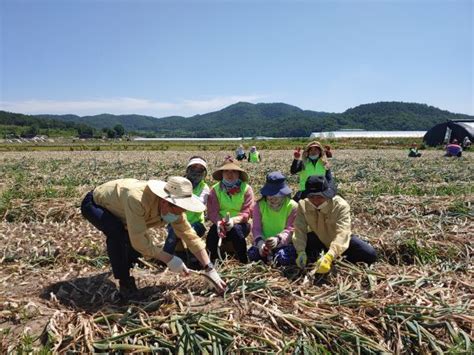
(176, 57)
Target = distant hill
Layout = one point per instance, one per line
(17, 124)
(275, 119)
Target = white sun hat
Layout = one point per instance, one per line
(178, 191)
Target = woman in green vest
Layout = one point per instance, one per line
(313, 161)
(273, 218)
(196, 172)
(254, 155)
(229, 208)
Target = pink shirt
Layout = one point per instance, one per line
(213, 207)
(285, 234)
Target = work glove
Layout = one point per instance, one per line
(297, 153)
(301, 259)
(229, 225)
(177, 266)
(272, 242)
(215, 280)
(323, 265)
(262, 249)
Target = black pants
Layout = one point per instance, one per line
(358, 250)
(236, 236)
(121, 254)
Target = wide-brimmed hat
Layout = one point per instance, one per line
(229, 164)
(178, 191)
(275, 185)
(319, 185)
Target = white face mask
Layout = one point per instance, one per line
(170, 217)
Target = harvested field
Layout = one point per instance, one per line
(57, 294)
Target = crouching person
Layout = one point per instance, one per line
(229, 207)
(124, 209)
(273, 218)
(196, 172)
(323, 224)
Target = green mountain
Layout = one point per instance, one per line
(274, 119)
(17, 124)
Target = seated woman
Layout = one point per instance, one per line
(313, 161)
(453, 149)
(240, 153)
(273, 217)
(413, 152)
(254, 155)
(196, 172)
(229, 208)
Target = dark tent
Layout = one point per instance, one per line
(454, 129)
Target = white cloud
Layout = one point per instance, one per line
(124, 105)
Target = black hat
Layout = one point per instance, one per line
(319, 185)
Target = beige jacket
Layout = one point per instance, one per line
(138, 208)
(332, 224)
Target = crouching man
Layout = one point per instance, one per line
(323, 224)
(124, 209)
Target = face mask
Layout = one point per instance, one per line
(313, 157)
(275, 203)
(195, 177)
(169, 217)
(229, 183)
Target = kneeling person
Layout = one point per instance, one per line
(327, 218)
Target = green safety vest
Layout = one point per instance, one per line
(309, 170)
(232, 204)
(254, 158)
(194, 217)
(273, 222)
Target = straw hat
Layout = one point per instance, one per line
(178, 191)
(230, 165)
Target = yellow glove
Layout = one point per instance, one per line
(301, 259)
(323, 265)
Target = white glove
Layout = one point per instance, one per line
(271, 243)
(229, 225)
(177, 266)
(261, 247)
(215, 280)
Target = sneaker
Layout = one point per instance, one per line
(127, 288)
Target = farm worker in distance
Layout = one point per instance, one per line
(229, 208)
(196, 171)
(313, 161)
(240, 153)
(272, 222)
(466, 143)
(254, 155)
(413, 152)
(453, 149)
(124, 209)
(323, 224)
